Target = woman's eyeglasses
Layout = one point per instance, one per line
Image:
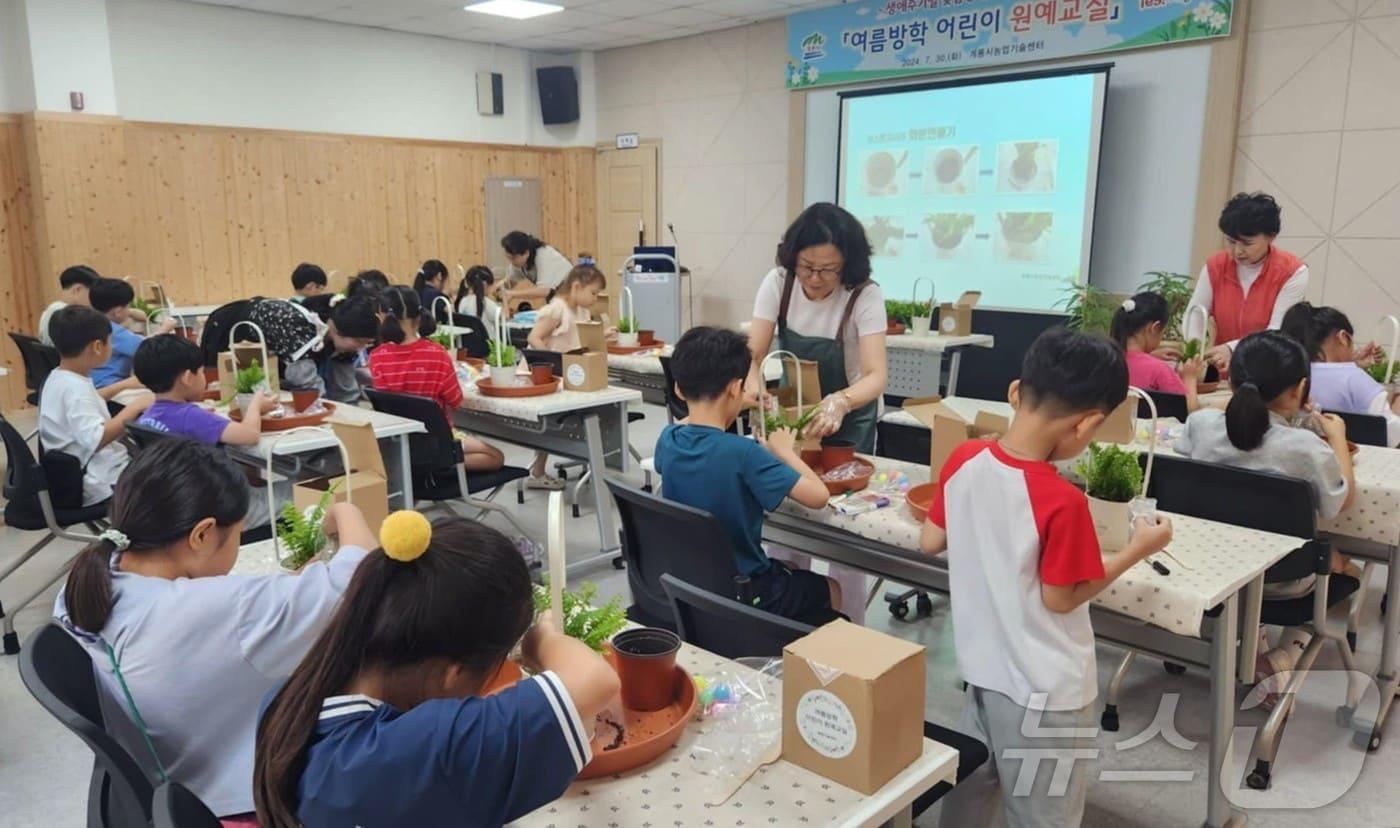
(807, 272)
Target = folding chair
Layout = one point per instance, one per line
(30, 505)
(175, 806)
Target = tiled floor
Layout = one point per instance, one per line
(44, 770)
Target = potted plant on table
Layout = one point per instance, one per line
(1112, 478)
(593, 625)
(627, 332)
(1089, 308)
(443, 338)
(921, 314)
(247, 382)
(501, 359)
(301, 533)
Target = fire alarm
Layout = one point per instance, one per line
(75, 100)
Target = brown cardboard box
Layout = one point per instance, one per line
(241, 355)
(586, 368)
(955, 318)
(853, 704)
(811, 384)
(950, 430)
(368, 485)
(1118, 426)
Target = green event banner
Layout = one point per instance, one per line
(873, 39)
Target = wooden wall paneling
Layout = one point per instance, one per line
(20, 303)
(427, 240)
(260, 193)
(452, 173)
(375, 216)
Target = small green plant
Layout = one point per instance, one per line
(589, 624)
(1191, 349)
(773, 421)
(1090, 308)
(1377, 369)
(1111, 473)
(443, 338)
(250, 379)
(625, 325)
(501, 354)
(151, 311)
(904, 312)
(1176, 289)
(301, 532)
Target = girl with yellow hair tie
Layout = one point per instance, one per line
(380, 724)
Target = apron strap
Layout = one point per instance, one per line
(788, 281)
(850, 308)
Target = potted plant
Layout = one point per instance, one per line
(921, 314)
(1089, 308)
(1381, 370)
(301, 532)
(593, 625)
(1112, 478)
(627, 332)
(897, 316)
(247, 382)
(443, 338)
(501, 359)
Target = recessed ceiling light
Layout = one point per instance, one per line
(514, 9)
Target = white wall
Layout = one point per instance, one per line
(1149, 162)
(718, 104)
(200, 64)
(69, 52)
(16, 77)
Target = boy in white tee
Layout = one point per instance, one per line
(1023, 563)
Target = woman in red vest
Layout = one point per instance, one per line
(1249, 285)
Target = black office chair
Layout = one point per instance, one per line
(1365, 429)
(436, 457)
(142, 437)
(475, 341)
(39, 361)
(175, 806)
(58, 673)
(731, 629)
(658, 537)
(1281, 505)
(910, 444)
(45, 495)
(1169, 406)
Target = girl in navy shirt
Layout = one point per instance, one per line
(379, 725)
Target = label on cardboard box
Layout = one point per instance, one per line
(826, 724)
(575, 375)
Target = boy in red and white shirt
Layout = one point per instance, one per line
(1023, 563)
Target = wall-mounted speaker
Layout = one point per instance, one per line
(558, 94)
(490, 99)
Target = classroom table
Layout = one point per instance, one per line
(289, 452)
(1143, 610)
(672, 792)
(641, 372)
(189, 315)
(913, 374)
(590, 426)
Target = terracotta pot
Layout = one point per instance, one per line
(646, 667)
(645, 337)
(836, 452)
(812, 458)
(541, 373)
(211, 373)
(302, 400)
(462, 355)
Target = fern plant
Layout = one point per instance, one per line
(1111, 473)
(1377, 369)
(582, 620)
(500, 354)
(1176, 289)
(1191, 349)
(301, 532)
(773, 421)
(443, 338)
(903, 311)
(250, 379)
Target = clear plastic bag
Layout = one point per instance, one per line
(741, 714)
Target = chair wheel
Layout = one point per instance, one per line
(1173, 668)
(647, 488)
(1258, 779)
(923, 605)
(575, 507)
(1344, 715)
(11, 643)
(1109, 720)
(900, 610)
(1370, 742)
(619, 563)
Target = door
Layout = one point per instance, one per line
(629, 208)
(511, 204)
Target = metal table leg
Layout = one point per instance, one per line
(1249, 629)
(1219, 812)
(1365, 731)
(607, 533)
(954, 363)
(903, 819)
(406, 471)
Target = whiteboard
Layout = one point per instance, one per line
(1151, 156)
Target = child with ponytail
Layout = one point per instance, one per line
(1269, 373)
(1339, 383)
(184, 652)
(1138, 325)
(474, 299)
(406, 363)
(430, 282)
(381, 724)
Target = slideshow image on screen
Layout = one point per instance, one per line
(983, 186)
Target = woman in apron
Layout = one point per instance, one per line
(820, 304)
